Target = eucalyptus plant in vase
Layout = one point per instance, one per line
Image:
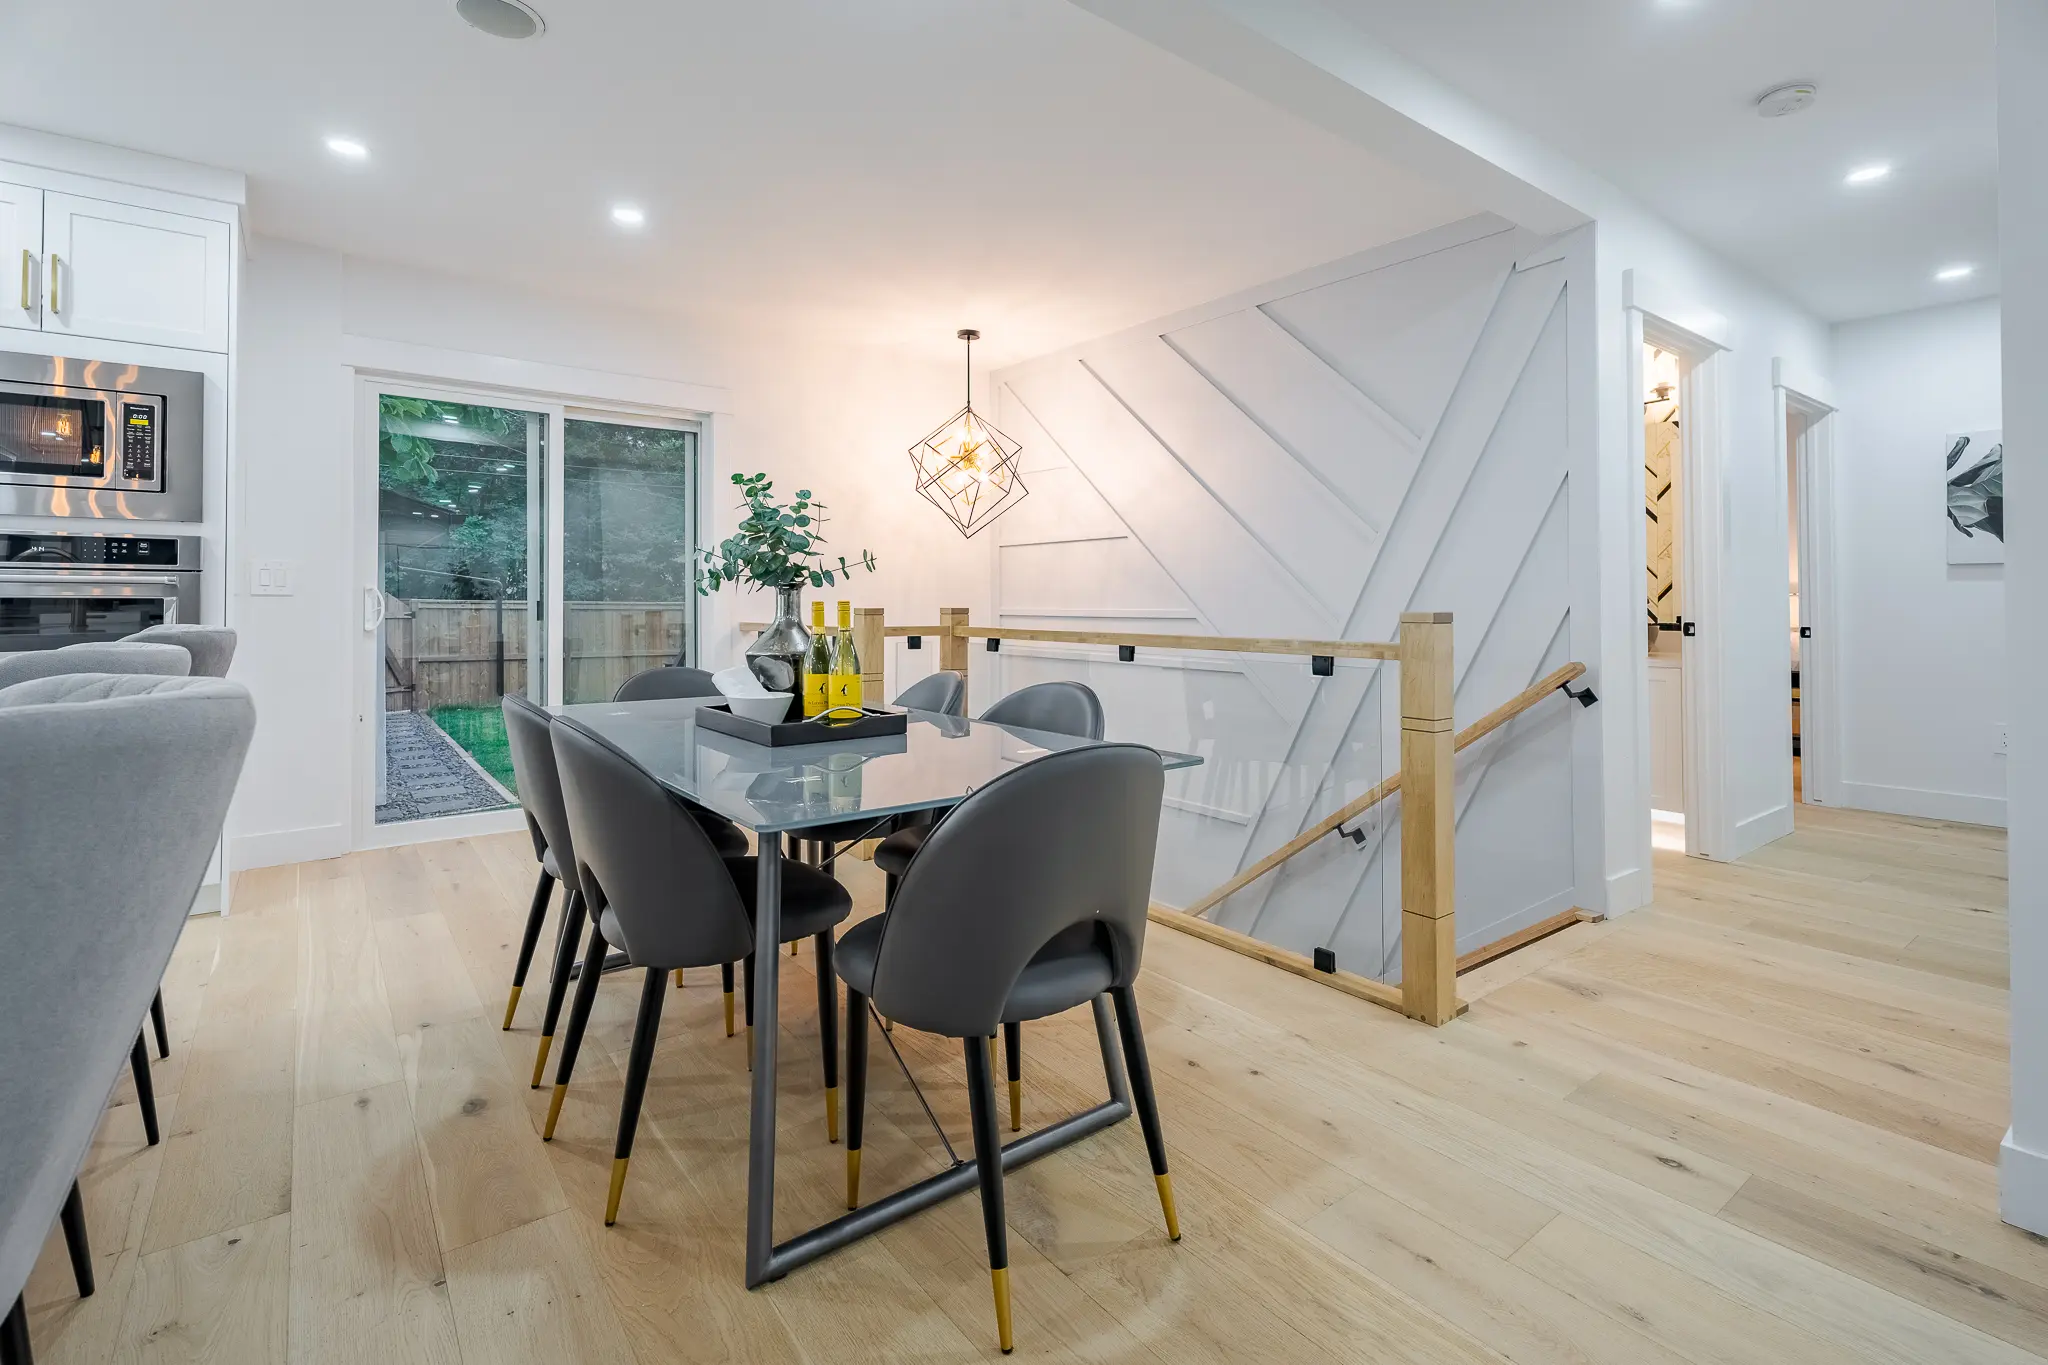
(777, 547)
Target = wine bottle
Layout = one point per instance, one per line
(817, 664)
(846, 689)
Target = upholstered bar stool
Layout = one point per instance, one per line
(116, 657)
(212, 647)
(1028, 899)
(156, 758)
(658, 889)
(1058, 708)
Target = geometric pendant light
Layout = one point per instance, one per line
(967, 469)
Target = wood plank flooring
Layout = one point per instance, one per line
(1755, 1122)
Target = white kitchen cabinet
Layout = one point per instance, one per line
(21, 256)
(127, 273)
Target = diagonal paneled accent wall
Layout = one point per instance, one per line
(1385, 434)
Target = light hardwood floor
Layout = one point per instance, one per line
(1757, 1122)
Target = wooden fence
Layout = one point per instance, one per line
(445, 653)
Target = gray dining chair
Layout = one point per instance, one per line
(944, 692)
(657, 888)
(1059, 708)
(670, 680)
(212, 647)
(1028, 899)
(111, 656)
(157, 759)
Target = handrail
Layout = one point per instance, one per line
(1386, 787)
(1222, 644)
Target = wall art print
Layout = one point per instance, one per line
(1976, 497)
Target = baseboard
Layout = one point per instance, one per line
(281, 846)
(1760, 829)
(1626, 891)
(2023, 1186)
(1931, 805)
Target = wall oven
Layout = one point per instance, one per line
(67, 589)
(90, 438)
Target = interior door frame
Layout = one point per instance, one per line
(1806, 397)
(1702, 397)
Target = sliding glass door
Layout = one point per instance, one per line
(519, 548)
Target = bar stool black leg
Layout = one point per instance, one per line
(579, 1019)
(856, 1088)
(558, 985)
(14, 1347)
(988, 1159)
(828, 1031)
(145, 1089)
(1142, 1097)
(638, 1062)
(534, 918)
(73, 1220)
(156, 1019)
(725, 970)
(1013, 1057)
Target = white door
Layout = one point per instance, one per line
(21, 256)
(1667, 734)
(135, 274)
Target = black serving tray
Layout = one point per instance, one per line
(869, 724)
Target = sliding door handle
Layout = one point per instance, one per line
(373, 608)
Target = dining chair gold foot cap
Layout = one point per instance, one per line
(540, 1060)
(853, 1177)
(1166, 1203)
(831, 1113)
(728, 1014)
(1000, 1280)
(1016, 1106)
(547, 1132)
(679, 978)
(611, 1204)
(511, 1005)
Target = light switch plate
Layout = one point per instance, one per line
(270, 578)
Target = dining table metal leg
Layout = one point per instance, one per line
(767, 1007)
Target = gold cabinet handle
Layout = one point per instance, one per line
(27, 265)
(56, 273)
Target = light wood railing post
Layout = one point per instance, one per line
(1429, 953)
(953, 646)
(871, 645)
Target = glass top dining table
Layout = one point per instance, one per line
(935, 764)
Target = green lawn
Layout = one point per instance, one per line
(481, 731)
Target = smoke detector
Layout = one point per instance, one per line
(1786, 99)
(502, 18)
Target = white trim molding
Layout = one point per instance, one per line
(2023, 1186)
(1962, 807)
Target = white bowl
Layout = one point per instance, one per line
(769, 710)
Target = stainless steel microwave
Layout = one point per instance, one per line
(100, 440)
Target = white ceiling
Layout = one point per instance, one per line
(1655, 95)
(892, 169)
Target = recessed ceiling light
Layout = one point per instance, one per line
(348, 148)
(626, 215)
(451, 418)
(501, 18)
(1950, 273)
(1868, 175)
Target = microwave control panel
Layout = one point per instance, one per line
(138, 442)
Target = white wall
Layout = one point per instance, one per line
(2023, 252)
(836, 419)
(1310, 459)
(1922, 649)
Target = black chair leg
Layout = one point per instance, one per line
(725, 971)
(156, 1019)
(988, 1160)
(14, 1347)
(1013, 1058)
(558, 986)
(527, 942)
(579, 1019)
(73, 1220)
(828, 1031)
(638, 1062)
(747, 972)
(145, 1089)
(1147, 1104)
(856, 1088)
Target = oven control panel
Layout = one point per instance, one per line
(98, 551)
(138, 442)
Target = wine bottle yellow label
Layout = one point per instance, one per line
(846, 689)
(818, 664)
(817, 688)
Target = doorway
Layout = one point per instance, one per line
(511, 546)
(1663, 470)
(1806, 431)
